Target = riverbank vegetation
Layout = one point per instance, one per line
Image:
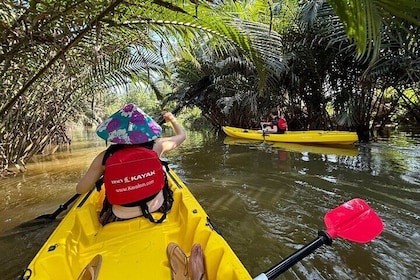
(325, 64)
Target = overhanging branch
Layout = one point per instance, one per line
(72, 43)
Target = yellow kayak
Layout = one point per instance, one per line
(132, 249)
(311, 136)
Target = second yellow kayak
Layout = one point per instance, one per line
(311, 136)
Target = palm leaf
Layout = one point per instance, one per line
(364, 19)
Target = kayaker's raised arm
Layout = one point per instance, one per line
(166, 144)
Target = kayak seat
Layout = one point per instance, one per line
(91, 271)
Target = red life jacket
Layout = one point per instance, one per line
(282, 124)
(133, 174)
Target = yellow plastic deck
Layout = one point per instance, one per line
(136, 248)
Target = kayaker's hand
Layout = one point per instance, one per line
(168, 117)
(165, 144)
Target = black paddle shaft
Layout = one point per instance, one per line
(275, 271)
(60, 209)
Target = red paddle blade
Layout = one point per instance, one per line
(353, 220)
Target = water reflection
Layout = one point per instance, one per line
(282, 195)
(268, 200)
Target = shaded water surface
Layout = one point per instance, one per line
(268, 201)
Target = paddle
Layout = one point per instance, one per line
(64, 206)
(60, 209)
(353, 220)
(263, 131)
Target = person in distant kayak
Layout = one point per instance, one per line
(133, 174)
(282, 124)
(276, 125)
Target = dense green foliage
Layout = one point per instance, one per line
(322, 83)
(326, 64)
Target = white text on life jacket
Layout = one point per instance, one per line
(134, 177)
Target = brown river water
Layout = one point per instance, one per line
(267, 200)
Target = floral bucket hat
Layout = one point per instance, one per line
(129, 125)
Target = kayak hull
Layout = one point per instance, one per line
(319, 137)
(339, 150)
(136, 248)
